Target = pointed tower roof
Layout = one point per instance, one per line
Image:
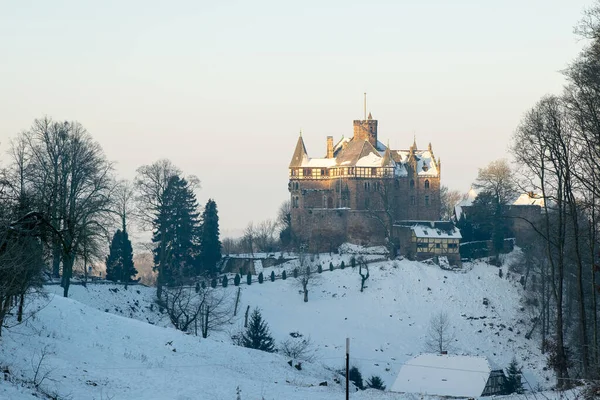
(300, 154)
(370, 116)
(387, 161)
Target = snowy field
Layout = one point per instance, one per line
(105, 342)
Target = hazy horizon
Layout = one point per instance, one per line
(223, 89)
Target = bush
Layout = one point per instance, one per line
(331, 266)
(295, 272)
(319, 269)
(356, 377)
(249, 279)
(225, 281)
(284, 275)
(375, 382)
(237, 279)
(353, 262)
(298, 348)
(213, 283)
(260, 278)
(272, 276)
(342, 265)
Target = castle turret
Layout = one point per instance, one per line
(300, 154)
(366, 130)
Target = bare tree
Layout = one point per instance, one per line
(448, 199)
(249, 238)
(362, 264)
(197, 312)
(265, 235)
(306, 276)
(72, 182)
(440, 334)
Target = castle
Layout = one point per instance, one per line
(360, 190)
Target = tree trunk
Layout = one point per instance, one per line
(21, 303)
(305, 294)
(67, 274)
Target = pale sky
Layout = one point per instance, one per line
(222, 88)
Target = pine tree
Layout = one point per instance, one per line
(237, 279)
(114, 260)
(176, 233)
(257, 335)
(512, 383)
(284, 275)
(213, 283)
(319, 269)
(355, 377)
(128, 270)
(210, 245)
(224, 281)
(375, 382)
(272, 276)
(331, 266)
(342, 265)
(260, 278)
(249, 279)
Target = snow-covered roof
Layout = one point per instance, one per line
(529, 199)
(443, 375)
(422, 231)
(370, 160)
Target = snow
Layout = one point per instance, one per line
(426, 165)
(319, 163)
(467, 201)
(527, 199)
(96, 354)
(443, 375)
(433, 233)
(370, 160)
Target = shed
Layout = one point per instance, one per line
(448, 375)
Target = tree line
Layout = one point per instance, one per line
(557, 148)
(62, 210)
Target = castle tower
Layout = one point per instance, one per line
(366, 130)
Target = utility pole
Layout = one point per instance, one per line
(347, 368)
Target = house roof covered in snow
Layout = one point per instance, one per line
(443, 375)
(433, 229)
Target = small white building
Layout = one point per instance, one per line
(448, 375)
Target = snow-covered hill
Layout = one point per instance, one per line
(93, 353)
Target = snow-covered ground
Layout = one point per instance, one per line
(92, 353)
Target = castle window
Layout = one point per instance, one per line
(412, 200)
(373, 171)
(307, 172)
(427, 184)
(426, 200)
(297, 186)
(412, 183)
(293, 171)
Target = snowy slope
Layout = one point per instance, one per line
(91, 354)
(387, 325)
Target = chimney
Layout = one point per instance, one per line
(329, 147)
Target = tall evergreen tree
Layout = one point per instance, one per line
(114, 260)
(257, 335)
(512, 383)
(119, 262)
(176, 232)
(210, 245)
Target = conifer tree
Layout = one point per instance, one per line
(330, 266)
(260, 278)
(128, 268)
(213, 283)
(257, 335)
(119, 262)
(512, 383)
(249, 279)
(272, 276)
(375, 382)
(319, 269)
(210, 245)
(237, 279)
(176, 232)
(224, 281)
(284, 275)
(114, 260)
